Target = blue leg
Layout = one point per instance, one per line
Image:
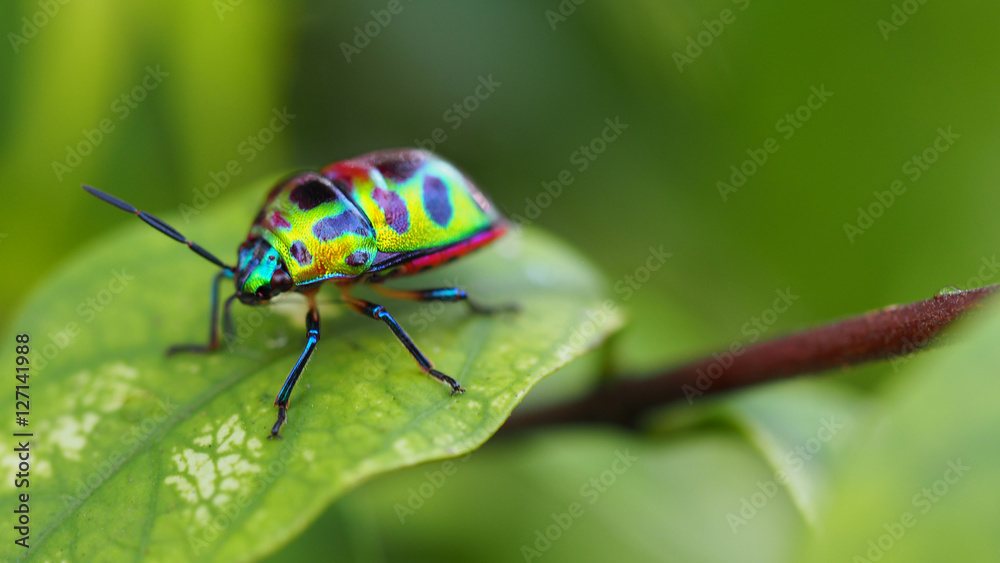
(448, 294)
(228, 332)
(281, 401)
(379, 313)
(213, 328)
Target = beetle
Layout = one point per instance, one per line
(364, 220)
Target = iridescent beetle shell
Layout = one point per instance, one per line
(373, 216)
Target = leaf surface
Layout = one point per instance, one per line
(138, 455)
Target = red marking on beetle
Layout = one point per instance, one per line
(453, 251)
(346, 169)
(278, 220)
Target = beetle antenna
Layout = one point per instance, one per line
(159, 226)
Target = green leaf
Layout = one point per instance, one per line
(921, 485)
(638, 500)
(799, 427)
(139, 455)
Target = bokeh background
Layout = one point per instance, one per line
(696, 86)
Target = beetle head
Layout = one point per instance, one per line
(261, 274)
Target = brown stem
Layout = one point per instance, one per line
(894, 331)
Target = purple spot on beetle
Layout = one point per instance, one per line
(278, 221)
(357, 258)
(381, 256)
(329, 228)
(399, 167)
(436, 200)
(394, 209)
(301, 253)
(312, 194)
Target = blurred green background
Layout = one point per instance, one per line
(698, 85)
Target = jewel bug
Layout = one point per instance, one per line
(364, 220)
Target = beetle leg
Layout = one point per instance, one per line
(379, 313)
(449, 294)
(281, 400)
(213, 328)
(228, 332)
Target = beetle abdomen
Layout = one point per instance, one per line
(414, 200)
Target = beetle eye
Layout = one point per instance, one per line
(281, 281)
